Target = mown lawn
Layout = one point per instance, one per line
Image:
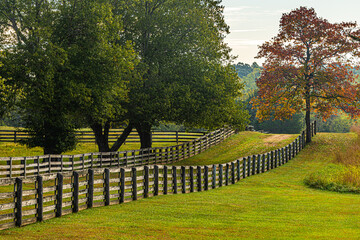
(273, 205)
(239, 145)
(18, 150)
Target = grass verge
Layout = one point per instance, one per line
(343, 174)
(273, 205)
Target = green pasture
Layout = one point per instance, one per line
(242, 144)
(273, 205)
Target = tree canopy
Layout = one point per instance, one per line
(307, 68)
(100, 63)
(188, 78)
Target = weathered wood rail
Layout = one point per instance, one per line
(59, 194)
(12, 167)
(88, 136)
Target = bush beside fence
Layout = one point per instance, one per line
(71, 192)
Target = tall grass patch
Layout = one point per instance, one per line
(343, 174)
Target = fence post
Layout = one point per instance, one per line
(268, 162)
(263, 163)
(122, 185)
(165, 186)
(146, 181)
(232, 173)
(191, 179)
(253, 171)
(238, 169)
(134, 183)
(290, 152)
(107, 186)
(39, 198)
(18, 201)
(90, 189)
(156, 180)
(249, 166)
(14, 136)
(258, 163)
(59, 193)
(183, 179)
(227, 174)
(303, 139)
(244, 167)
(199, 182)
(9, 162)
(206, 178)
(220, 175)
(24, 167)
(174, 179)
(75, 202)
(91, 160)
(214, 176)
(293, 149)
(315, 127)
(177, 137)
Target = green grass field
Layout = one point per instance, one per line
(273, 205)
(240, 145)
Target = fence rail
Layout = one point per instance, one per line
(59, 194)
(114, 134)
(12, 167)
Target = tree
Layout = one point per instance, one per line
(99, 65)
(243, 69)
(7, 93)
(32, 62)
(307, 68)
(188, 78)
(73, 69)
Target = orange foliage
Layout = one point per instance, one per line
(308, 61)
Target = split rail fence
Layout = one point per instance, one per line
(12, 167)
(88, 136)
(45, 197)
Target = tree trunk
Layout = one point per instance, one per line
(307, 119)
(144, 131)
(102, 138)
(120, 141)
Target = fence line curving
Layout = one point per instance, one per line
(60, 194)
(12, 167)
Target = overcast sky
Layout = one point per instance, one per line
(254, 21)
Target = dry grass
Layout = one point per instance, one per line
(343, 174)
(350, 157)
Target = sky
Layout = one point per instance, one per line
(252, 22)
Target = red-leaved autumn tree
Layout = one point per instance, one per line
(308, 67)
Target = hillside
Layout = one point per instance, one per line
(273, 205)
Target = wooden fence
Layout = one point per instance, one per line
(56, 195)
(114, 134)
(12, 167)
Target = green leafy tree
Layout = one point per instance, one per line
(7, 93)
(243, 69)
(99, 65)
(32, 61)
(188, 79)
